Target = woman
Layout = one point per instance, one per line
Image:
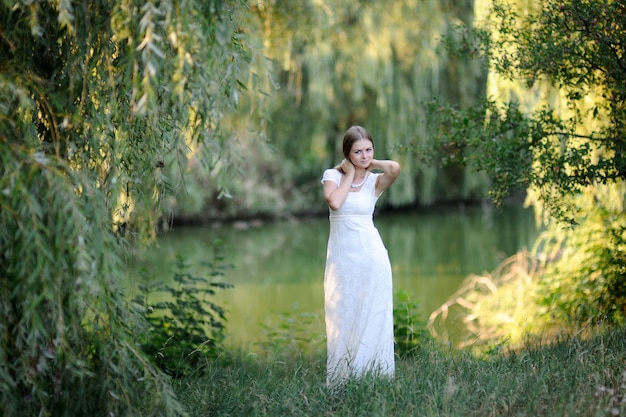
(358, 298)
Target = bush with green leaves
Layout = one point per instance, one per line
(410, 331)
(185, 327)
(584, 278)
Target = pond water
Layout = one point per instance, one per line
(278, 267)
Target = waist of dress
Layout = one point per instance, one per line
(354, 217)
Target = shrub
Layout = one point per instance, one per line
(409, 329)
(586, 266)
(186, 327)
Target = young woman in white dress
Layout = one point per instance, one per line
(358, 295)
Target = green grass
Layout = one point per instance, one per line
(569, 378)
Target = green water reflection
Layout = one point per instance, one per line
(280, 265)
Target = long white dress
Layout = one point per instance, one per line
(358, 295)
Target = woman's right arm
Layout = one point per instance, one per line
(334, 194)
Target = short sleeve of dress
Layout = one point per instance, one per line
(332, 175)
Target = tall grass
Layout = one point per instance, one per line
(571, 377)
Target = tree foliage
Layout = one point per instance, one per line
(337, 63)
(66, 337)
(95, 99)
(116, 87)
(568, 55)
(553, 124)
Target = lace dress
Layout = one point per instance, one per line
(358, 298)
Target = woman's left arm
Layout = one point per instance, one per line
(391, 170)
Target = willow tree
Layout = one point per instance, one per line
(373, 63)
(96, 99)
(554, 123)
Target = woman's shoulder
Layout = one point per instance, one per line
(332, 174)
(332, 171)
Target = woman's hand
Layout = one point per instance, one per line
(347, 167)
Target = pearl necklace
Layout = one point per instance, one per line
(361, 183)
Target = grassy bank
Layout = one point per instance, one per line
(573, 377)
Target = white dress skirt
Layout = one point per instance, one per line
(358, 294)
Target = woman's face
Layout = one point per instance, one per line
(362, 153)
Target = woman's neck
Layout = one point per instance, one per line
(360, 173)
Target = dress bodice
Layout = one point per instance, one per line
(359, 203)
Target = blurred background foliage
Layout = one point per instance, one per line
(333, 64)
